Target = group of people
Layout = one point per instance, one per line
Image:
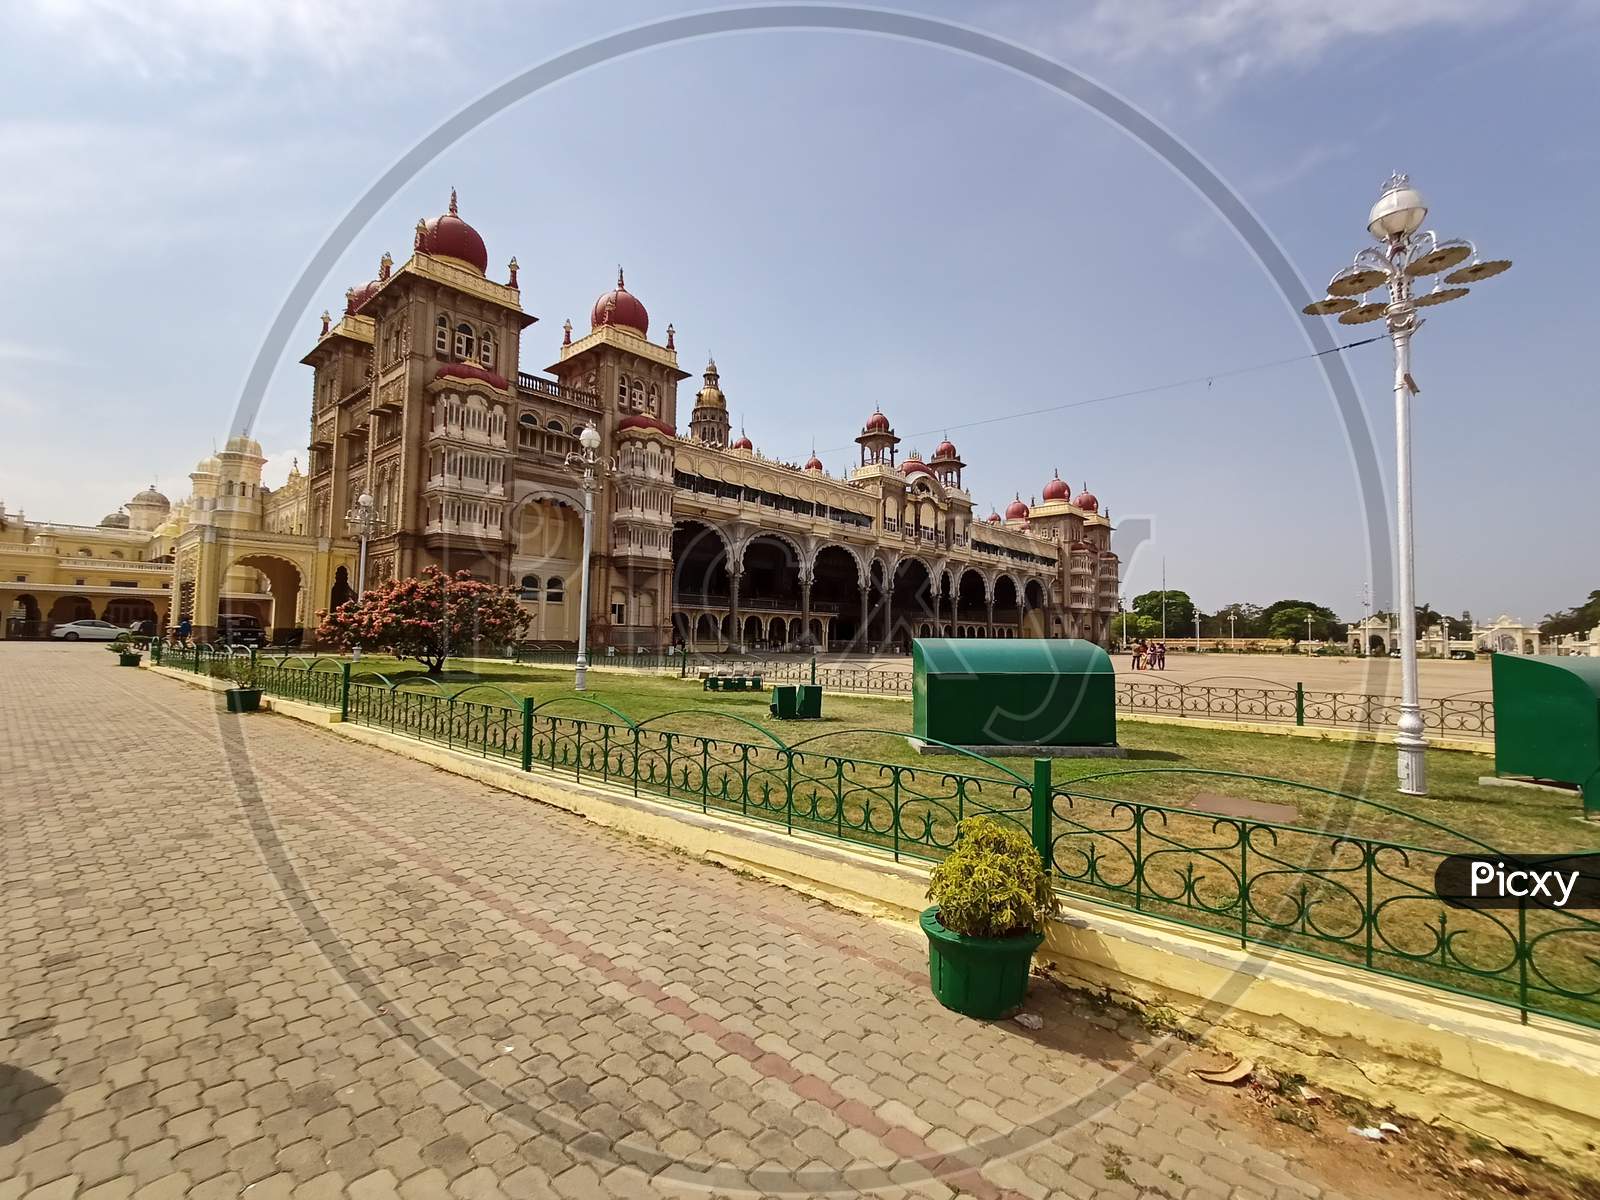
(1149, 656)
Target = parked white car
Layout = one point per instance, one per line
(88, 631)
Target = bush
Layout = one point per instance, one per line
(993, 884)
(237, 669)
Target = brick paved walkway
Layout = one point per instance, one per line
(239, 956)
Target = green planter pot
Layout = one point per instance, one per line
(128, 660)
(985, 978)
(243, 700)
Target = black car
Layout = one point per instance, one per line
(240, 629)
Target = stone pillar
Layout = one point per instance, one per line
(862, 635)
(733, 609)
(990, 627)
(888, 613)
(1022, 617)
(805, 611)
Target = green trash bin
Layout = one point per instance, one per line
(783, 703)
(1014, 695)
(1547, 721)
(808, 703)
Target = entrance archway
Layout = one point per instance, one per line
(699, 567)
(284, 582)
(70, 608)
(836, 591)
(912, 605)
(22, 617)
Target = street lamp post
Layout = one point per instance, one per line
(1405, 253)
(588, 460)
(1123, 602)
(1308, 633)
(364, 518)
(1233, 637)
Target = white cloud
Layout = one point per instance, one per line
(1233, 38)
(155, 37)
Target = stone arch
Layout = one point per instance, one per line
(853, 552)
(771, 571)
(286, 582)
(22, 617)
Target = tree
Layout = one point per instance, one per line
(428, 617)
(1325, 623)
(1180, 612)
(1247, 621)
(1578, 619)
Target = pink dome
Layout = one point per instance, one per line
(620, 307)
(813, 463)
(1057, 488)
(466, 370)
(1017, 510)
(945, 449)
(876, 423)
(1087, 501)
(452, 237)
(742, 443)
(994, 518)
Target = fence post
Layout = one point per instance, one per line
(344, 691)
(252, 665)
(1042, 809)
(1299, 704)
(813, 669)
(527, 733)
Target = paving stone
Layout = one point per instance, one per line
(266, 960)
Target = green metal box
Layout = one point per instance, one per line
(783, 702)
(1013, 692)
(808, 704)
(1547, 721)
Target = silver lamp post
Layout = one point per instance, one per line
(364, 519)
(1123, 602)
(1233, 633)
(588, 461)
(1405, 253)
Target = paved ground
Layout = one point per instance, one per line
(239, 956)
(1374, 676)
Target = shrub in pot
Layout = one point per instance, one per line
(991, 897)
(240, 670)
(128, 654)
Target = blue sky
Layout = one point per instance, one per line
(850, 222)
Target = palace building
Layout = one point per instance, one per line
(420, 400)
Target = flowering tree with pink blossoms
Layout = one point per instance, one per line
(427, 617)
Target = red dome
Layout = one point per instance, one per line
(1087, 501)
(1017, 510)
(645, 421)
(619, 306)
(1057, 488)
(452, 237)
(994, 518)
(742, 443)
(914, 466)
(876, 423)
(813, 463)
(466, 370)
(945, 449)
(357, 298)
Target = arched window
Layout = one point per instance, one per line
(555, 427)
(622, 391)
(638, 394)
(464, 342)
(655, 397)
(441, 335)
(555, 591)
(530, 587)
(486, 349)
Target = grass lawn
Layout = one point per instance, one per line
(1509, 819)
(1293, 878)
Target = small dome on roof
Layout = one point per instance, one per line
(994, 518)
(945, 449)
(742, 443)
(1087, 501)
(876, 423)
(116, 520)
(240, 444)
(813, 463)
(1057, 488)
(914, 465)
(151, 496)
(356, 298)
(451, 237)
(1017, 510)
(621, 307)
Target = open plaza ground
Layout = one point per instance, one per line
(245, 957)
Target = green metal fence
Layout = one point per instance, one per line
(1360, 902)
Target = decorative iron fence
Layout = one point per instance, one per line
(1357, 901)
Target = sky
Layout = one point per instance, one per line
(849, 222)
